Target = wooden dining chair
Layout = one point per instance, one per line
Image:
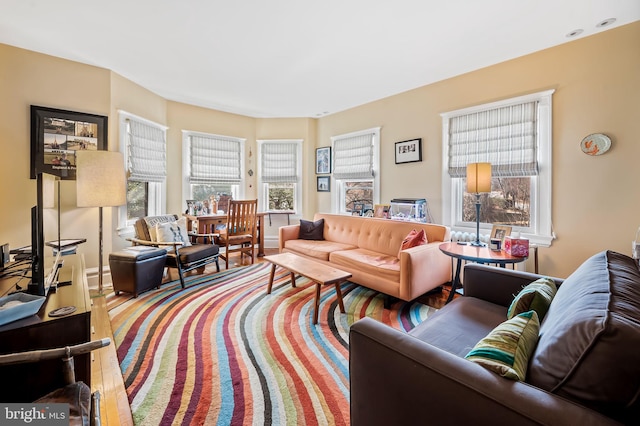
(240, 233)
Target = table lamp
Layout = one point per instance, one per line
(478, 181)
(101, 182)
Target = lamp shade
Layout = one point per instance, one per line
(100, 179)
(478, 178)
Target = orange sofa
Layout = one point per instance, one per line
(369, 249)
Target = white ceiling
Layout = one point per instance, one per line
(295, 58)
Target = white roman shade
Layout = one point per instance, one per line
(353, 157)
(506, 137)
(214, 159)
(146, 152)
(279, 162)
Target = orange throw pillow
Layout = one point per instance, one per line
(413, 239)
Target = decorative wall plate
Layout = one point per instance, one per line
(595, 144)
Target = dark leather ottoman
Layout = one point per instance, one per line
(137, 269)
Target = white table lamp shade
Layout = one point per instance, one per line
(478, 178)
(100, 179)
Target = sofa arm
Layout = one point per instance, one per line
(396, 378)
(286, 233)
(497, 285)
(422, 268)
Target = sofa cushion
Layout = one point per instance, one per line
(311, 230)
(367, 261)
(460, 325)
(317, 249)
(506, 350)
(413, 239)
(590, 339)
(537, 296)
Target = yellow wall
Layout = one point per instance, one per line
(597, 83)
(597, 87)
(28, 78)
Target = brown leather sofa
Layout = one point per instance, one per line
(585, 369)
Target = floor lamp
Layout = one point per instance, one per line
(101, 182)
(478, 181)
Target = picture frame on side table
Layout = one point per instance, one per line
(323, 160)
(409, 151)
(56, 136)
(500, 231)
(324, 183)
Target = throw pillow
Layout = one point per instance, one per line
(173, 231)
(413, 239)
(311, 230)
(537, 296)
(507, 348)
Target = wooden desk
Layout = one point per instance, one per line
(474, 254)
(207, 225)
(31, 381)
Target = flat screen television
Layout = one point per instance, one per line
(42, 275)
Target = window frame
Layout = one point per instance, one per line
(263, 187)
(156, 192)
(338, 201)
(186, 162)
(541, 231)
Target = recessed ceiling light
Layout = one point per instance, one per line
(575, 32)
(605, 23)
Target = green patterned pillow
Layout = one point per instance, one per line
(506, 350)
(537, 296)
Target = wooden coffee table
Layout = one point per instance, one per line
(317, 272)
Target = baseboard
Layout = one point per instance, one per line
(92, 277)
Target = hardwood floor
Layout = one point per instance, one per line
(105, 369)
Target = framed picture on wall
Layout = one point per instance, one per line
(409, 151)
(323, 160)
(324, 184)
(56, 136)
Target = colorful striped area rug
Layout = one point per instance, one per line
(223, 352)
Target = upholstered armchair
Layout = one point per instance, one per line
(170, 232)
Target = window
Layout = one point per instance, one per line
(280, 174)
(515, 137)
(213, 166)
(356, 162)
(143, 144)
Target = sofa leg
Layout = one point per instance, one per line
(388, 301)
(434, 290)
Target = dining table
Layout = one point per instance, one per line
(212, 223)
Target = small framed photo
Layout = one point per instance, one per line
(409, 151)
(358, 209)
(323, 160)
(324, 183)
(381, 210)
(500, 231)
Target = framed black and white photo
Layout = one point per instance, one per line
(324, 183)
(409, 151)
(323, 160)
(56, 136)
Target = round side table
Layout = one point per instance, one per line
(465, 251)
